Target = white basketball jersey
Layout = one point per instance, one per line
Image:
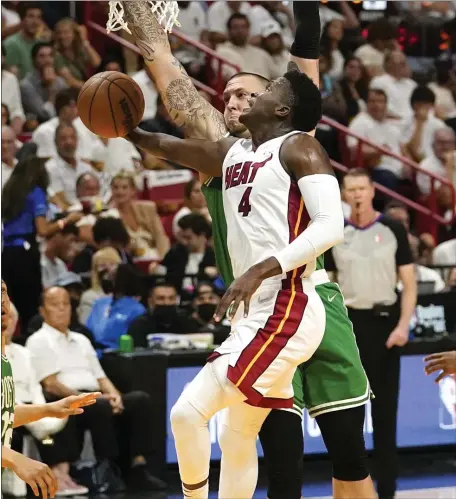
(264, 208)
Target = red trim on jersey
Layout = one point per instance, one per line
(258, 356)
(298, 220)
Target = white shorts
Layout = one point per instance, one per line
(283, 329)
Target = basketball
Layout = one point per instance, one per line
(111, 104)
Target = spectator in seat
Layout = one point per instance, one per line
(58, 249)
(65, 168)
(74, 53)
(272, 43)
(381, 37)
(444, 90)
(333, 103)
(18, 47)
(445, 255)
(194, 202)
(219, 14)
(162, 123)
(397, 85)
(267, 12)
(419, 131)
(424, 274)
(375, 126)
(40, 87)
(28, 391)
(192, 258)
(441, 161)
(107, 232)
(11, 96)
(204, 305)
(9, 150)
(66, 364)
(332, 34)
(238, 51)
(140, 218)
(162, 316)
(24, 210)
(144, 79)
(73, 284)
(67, 114)
(104, 264)
(112, 315)
(354, 87)
(111, 64)
(451, 281)
(193, 19)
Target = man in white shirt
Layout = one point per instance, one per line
(11, 97)
(397, 85)
(145, 81)
(445, 254)
(65, 168)
(376, 127)
(239, 52)
(441, 161)
(381, 37)
(88, 144)
(418, 132)
(218, 16)
(66, 363)
(269, 12)
(9, 150)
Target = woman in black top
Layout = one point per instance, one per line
(354, 87)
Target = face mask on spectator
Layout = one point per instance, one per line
(165, 313)
(206, 311)
(106, 282)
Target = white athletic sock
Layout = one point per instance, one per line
(201, 493)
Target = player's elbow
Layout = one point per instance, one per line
(334, 228)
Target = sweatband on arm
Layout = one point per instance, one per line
(306, 44)
(321, 196)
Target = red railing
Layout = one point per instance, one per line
(432, 209)
(216, 93)
(213, 59)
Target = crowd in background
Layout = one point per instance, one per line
(77, 224)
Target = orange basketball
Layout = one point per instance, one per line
(111, 104)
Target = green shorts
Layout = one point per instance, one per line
(334, 378)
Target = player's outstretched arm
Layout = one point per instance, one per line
(308, 163)
(201, 155)
(198, 118)
(69, 406)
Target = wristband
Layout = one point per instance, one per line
(306, 44)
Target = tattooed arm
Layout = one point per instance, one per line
(186, 107)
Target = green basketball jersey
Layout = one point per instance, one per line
(7, 402)
(212, 190)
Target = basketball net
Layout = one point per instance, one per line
(166, 13)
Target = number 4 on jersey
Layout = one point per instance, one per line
(244, 206)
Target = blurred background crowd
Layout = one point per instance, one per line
(126, 238)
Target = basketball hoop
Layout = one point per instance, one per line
(166, 13)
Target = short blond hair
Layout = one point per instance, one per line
(105, 255)
(125, 175)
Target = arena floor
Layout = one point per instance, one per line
(422, 476)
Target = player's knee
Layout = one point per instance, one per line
(184, 416)
(235, 446)
(342, 432)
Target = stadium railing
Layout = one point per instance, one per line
(430, 210)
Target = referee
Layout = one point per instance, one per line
(367, 266)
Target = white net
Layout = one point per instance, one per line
(166, 13)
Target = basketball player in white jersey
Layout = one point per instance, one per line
(283, 209)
